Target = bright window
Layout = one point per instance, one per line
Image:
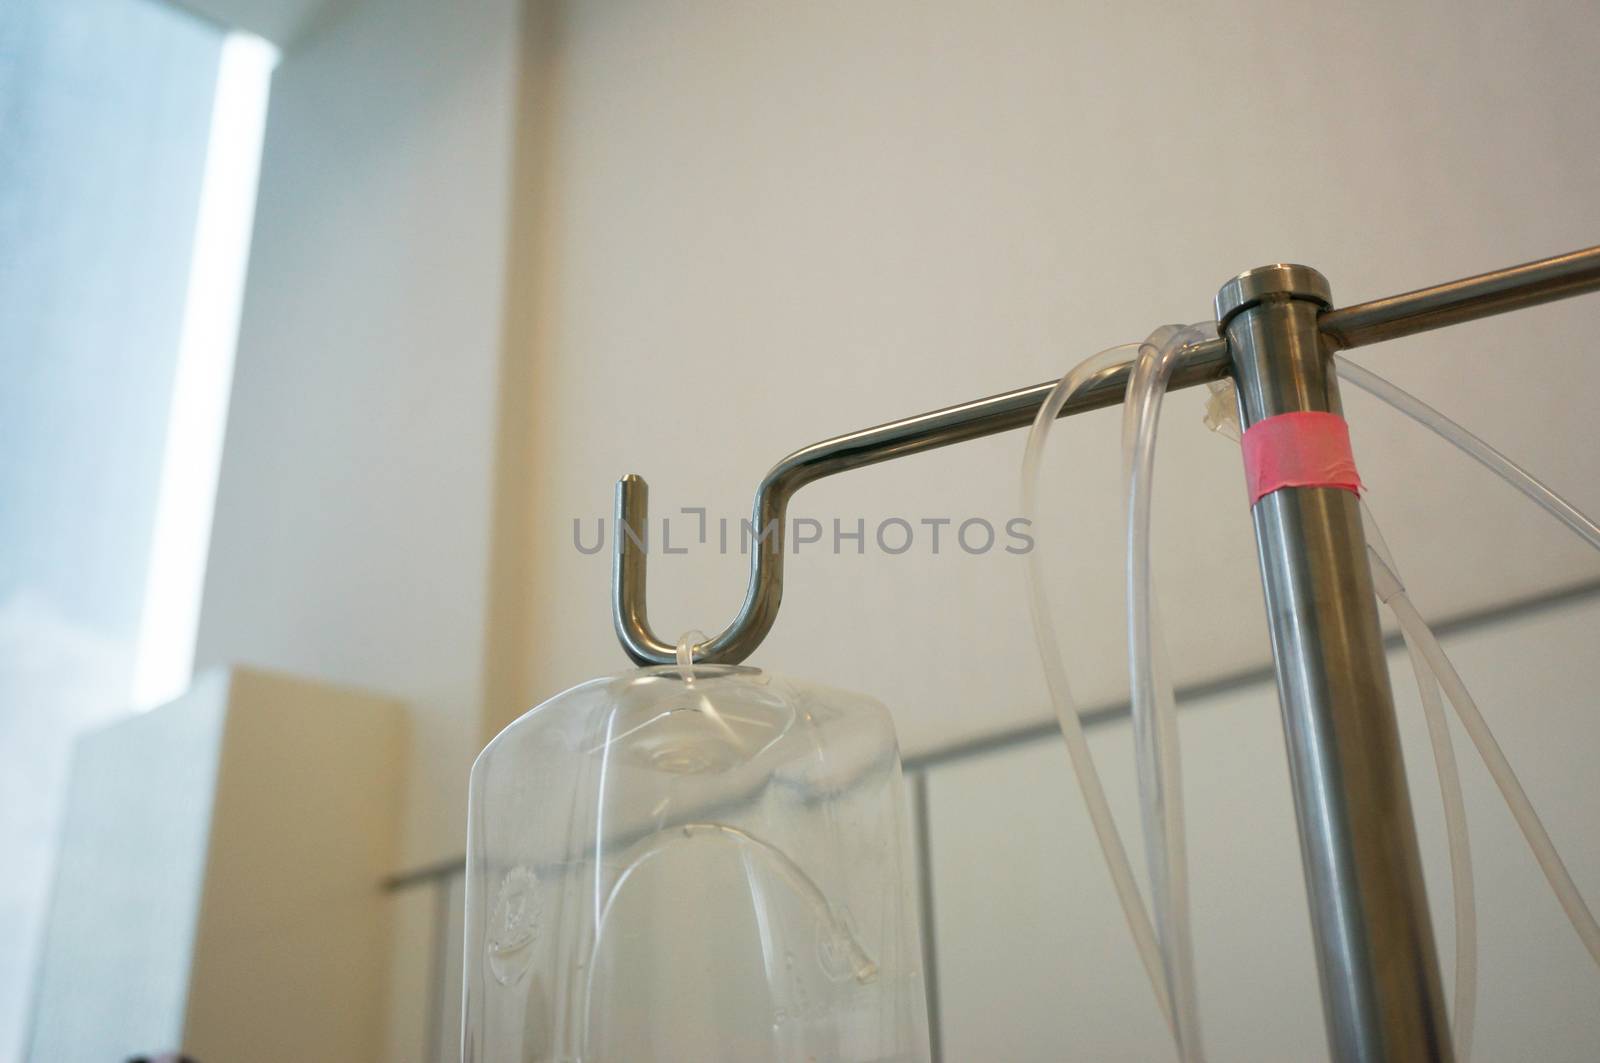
(130, 135)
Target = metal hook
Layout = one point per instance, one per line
(1199, 363)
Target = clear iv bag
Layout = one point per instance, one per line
(710, 868)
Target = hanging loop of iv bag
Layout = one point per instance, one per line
(700, 862)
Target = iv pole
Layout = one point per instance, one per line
(1379, 972)
(1382, 998)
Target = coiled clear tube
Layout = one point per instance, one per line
(1153, 705)
(1045, 637)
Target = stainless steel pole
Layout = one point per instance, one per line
(1381, 991)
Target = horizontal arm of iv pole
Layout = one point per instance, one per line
(1199, 363)
(1354, 326)
(1529, 284)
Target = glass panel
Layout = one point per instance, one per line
(105, 110)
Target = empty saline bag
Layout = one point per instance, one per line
(700, 864)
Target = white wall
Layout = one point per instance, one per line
(1034, 958)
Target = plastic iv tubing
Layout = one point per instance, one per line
(1482, 452)
(1544, 851)
(1153, 705)
(1169, 962)
(1168, 959)
(1044, 633)
(1391, 591)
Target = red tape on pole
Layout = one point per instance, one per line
(1298, 450)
